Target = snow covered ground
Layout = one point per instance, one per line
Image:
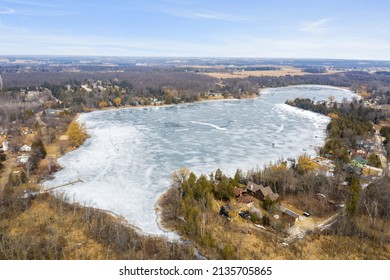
(127, 162)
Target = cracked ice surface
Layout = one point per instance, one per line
(127, 162)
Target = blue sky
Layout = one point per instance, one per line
(195, 28)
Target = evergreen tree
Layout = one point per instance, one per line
(353, 202)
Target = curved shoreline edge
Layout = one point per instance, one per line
(157, 202)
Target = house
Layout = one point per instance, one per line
(86, 87)
(267, 191)
(358, 161)
(261, 192)
(362, 153)
(25, 148)
(216, 94)
(372, 171)
(4, 145)
(253, 188)
(23, 158)
(325, 165)
(25, 130)
(64, 137)
(50, 111)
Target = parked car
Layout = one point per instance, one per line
(223, 212)
(244, 214)
(306, 214)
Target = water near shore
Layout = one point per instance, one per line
(127, 162)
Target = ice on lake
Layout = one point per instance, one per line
(126, 163)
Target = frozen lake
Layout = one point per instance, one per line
(127, 162)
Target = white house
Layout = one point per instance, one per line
(23, 158)
(5, 146)
(25, 148)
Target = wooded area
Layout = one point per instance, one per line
(192, 208)
(42, 226)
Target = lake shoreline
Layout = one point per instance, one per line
(124, 107)
(156, 204)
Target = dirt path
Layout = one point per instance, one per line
(304, 226)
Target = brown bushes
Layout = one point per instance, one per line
(47, 227)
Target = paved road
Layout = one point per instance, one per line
(381, 149)
(39, 119)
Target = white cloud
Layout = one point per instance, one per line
(220, 46)
(35, 9)
(218, 16)
(8, 29)
(317, 26)
(30, 3)
(5, 10)
(193, 13)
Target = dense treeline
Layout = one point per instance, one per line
(349, 122)
(18, 106)
(188, 85)
(139, 80)
(385, 132)
(184, 80)
(188, 208)
(368, 217)
(131, 88)
(351, 79)
(376, 85)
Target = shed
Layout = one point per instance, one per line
(290, 216)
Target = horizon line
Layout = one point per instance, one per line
(190, 57)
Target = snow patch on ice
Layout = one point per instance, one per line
(209, 124)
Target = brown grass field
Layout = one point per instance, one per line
(284, 71)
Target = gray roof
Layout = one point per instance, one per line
(291, 213)
(273, 196)
(266, 191)
(253, 187)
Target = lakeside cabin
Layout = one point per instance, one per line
(261, 192)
